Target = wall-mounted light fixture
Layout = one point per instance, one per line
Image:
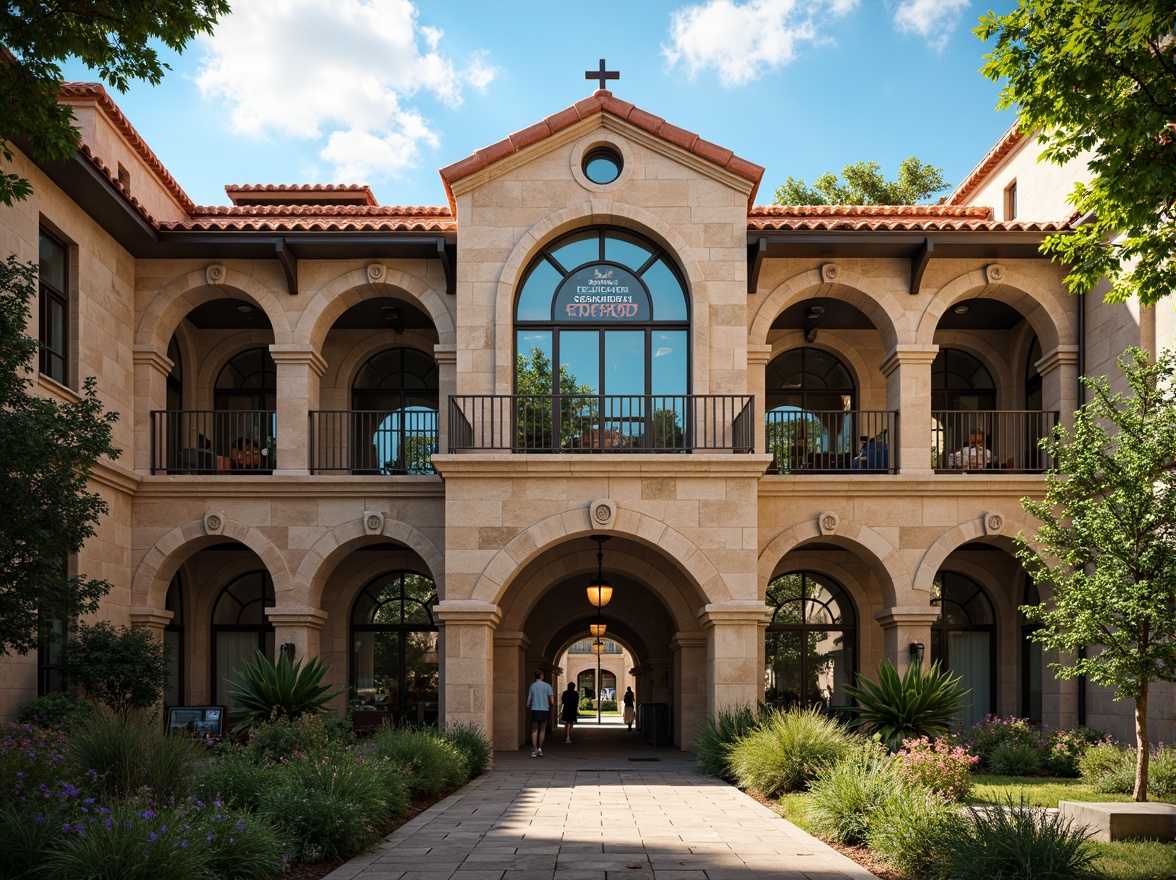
(916, 650)
(288, 649)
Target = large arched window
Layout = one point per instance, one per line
(394, 400)
(962, 640)
(963, 397)
(239, 630)
(245, 398)
(960, 382)
(810, 644)
(394, 660)
(610, 310)
(173, 638)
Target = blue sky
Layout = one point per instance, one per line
(386, 92)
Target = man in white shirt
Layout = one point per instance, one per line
(541, 699)
(973, 456)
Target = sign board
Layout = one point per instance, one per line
(204, 720)
(601, 293)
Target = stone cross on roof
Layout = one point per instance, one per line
(602, 74)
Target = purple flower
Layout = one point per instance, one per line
(184, 845)
(109, 823)
(65, 827)
(152, 836)
(148, 814)
(240, 826)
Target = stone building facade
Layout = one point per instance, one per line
(805, 431)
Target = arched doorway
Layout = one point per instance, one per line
(394, 658)
(245, 397)
(963, 401)
(963, 640)
(602, 345)
(810, 646)
(240, 629)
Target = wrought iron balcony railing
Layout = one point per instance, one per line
(213, 442)
(373, 441)
(983, 440)
(602, 423)
(840, 441)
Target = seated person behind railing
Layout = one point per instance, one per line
(245, 455)
(972, 456)
(874, 455)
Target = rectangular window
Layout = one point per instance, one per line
(49, 677)
(54, 300)
(1010, 199)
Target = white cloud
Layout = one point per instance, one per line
(933, 20)
(742, 40)
(339, 70)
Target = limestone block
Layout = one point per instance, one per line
(1107, 822)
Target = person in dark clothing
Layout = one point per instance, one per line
(630, 707)
(570, 705)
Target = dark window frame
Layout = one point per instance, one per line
(940, 630)
(264, 630)
(50, 295)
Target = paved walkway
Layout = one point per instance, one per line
(605, 807)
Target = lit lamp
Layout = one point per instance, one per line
(599, 594)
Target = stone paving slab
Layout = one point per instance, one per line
(587, 812)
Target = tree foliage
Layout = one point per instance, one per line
(1108, 540)
(865, 185)
(112, 38)
(1100, 76)
(123, 668)
(50, 449)
(534, 416)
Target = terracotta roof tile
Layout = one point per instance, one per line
(995, 156)
(601, 101)
(930, 218)
(287, 191)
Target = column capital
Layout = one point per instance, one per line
(298, 354)
(914, 355)
(734, 612)
(468, 611)
(758, 355)
(687, 640)
(151, 618)
(911, 615)
(146, 354)
(506, 639)
(296, 615)
(445, 354)
(1061, 356)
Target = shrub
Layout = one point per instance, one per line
(937, 766)
(608, 705)
(128, 754)
(1013, 843)
(1110, 768)
(474, 746)
(919, 703)
(24, 842)
(846, 796)
(1066, 747)
(786, 750)
(238, 846)
(1161, 772)
(29, 758)
(123, 668)
(54, 710)
(715, 736)
(1015, 759)
(908, 829)
(268, 691)
(232, 777)
(429, 763)
(307, 734)
(329, 806)
(991, 733)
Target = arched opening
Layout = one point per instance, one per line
(240, 629)
(602, 346)
(1032, 665)
(810, 646)
(245, 400)
(173, 640)
(394, 402)
(395, 666)
(963, 640)
(963, 400)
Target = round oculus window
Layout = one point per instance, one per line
(602, 165)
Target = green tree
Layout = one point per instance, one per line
(112, 38)
(533, 385)
(1100, 76)
(124, 668)
(865, 185)
(50, 449)
(1107, 539)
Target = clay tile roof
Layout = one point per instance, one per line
(96, 93)
(318, 218)
(300, 194)
(601, 101)
(995, 156)
(928, 218)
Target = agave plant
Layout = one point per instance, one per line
(919, 703)
(281, 690)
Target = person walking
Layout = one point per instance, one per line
(630, 702)
(541, 699)
(570, 701)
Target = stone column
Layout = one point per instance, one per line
(908, 390)
(758, 358)
(151, 371)
(510, 687)
(1059, 382)
(467, 662)
(446, 358)
(903, 626)
(298, 372)
(151, 619)
(733, 634)
(298, 626)
(689, 657)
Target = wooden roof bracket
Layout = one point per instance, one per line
(448, 264)
(919, 262)
(755, 261)
(289, 261)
